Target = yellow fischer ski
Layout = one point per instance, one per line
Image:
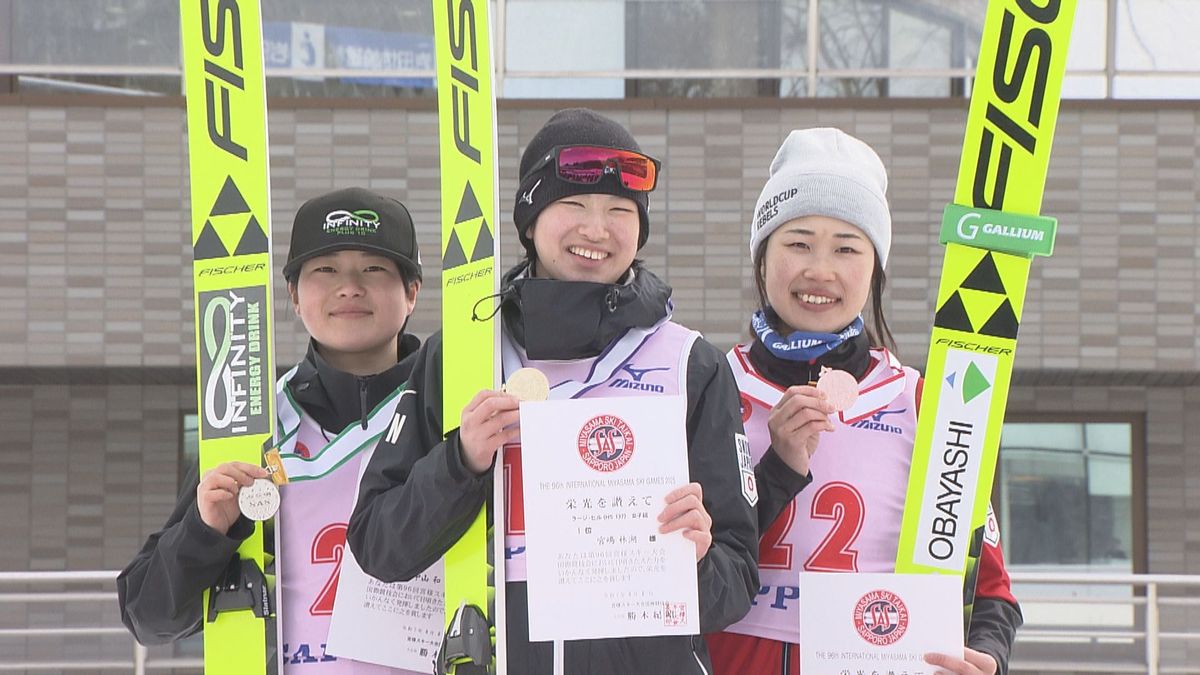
(991, 232)
(231, 275)
(470, 342)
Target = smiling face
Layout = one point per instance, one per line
(817, 273)
(354, 303)
(588, 237)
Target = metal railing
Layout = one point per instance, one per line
(1149, 595)
(1138, 619)
(139, 660)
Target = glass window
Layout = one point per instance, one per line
(853, 35)
(793, 46)
(1064, 499)
(297, 34)
(1089, 35)
(1148, 39)
(89, 33)
(915, 42)
(564, 35)
(702, 35)
(95, 32)
(1065, 495)
(190, 447)
(873, 35)
(870, 48)
(1150, 35)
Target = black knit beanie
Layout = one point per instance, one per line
(538, 189)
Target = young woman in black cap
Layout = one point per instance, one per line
(353, 273)
(581, 212)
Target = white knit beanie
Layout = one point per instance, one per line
(825, 172)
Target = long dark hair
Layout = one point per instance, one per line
(878, 332)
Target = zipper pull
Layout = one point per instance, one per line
(362, 400)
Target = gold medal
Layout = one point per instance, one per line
(528, 384)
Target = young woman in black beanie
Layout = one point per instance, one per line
(581, 212)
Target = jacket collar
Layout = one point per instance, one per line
(565, 320)
(336, 399)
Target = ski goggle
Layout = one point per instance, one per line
(587, 164)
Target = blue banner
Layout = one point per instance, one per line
(306, 45)
(277, 44)
(365, 49)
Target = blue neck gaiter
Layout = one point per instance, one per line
(801, 345)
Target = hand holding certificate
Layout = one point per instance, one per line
(685, 513)
(878, 621)
(597, 475)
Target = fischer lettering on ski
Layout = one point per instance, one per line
(231, 277)
(1002, 129)
(474, 582)
(219, 79)
(991, 233)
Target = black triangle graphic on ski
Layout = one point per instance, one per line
(1003, 323)
(230, 200)
(208, 245)
(953, 315)
(484, 244)
(254, 240)
(454, 255)
(468, 207)
(985, 277)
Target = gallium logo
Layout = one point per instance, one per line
(968, 229)
(363, 221)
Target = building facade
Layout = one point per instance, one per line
(1101, 470)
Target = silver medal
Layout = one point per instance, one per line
(260, 501)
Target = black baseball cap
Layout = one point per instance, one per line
(354, 218)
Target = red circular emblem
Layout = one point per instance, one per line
(881, 617)
(606, 443)
(745, 405)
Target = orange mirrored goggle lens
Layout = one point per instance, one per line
(587, 164)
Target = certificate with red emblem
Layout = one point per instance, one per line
(878, 623)
(595, 475)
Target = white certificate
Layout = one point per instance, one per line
(873, 622)
(397, 625)
(596, 472)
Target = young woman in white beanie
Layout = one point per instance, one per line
(831, 482)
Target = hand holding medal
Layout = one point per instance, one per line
(797, 420)
(260, 500)
(217, 493)
(492, 419)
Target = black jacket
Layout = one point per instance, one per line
(417, 498)
(160, 591)
(994, 621)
